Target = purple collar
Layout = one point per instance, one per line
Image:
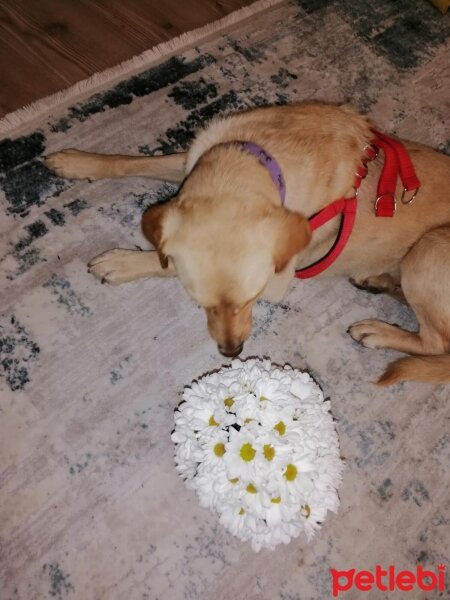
(267, 161)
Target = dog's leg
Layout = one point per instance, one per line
(381, 284)
(75, 164)
(121, 266)
(425, 281)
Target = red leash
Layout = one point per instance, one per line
(344, 206)
(396, 163)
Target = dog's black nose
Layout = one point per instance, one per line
(230, 352)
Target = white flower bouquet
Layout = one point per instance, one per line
(258, 445)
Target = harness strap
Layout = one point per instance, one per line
(396, 162)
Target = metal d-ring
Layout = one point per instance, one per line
(382, 196)
(409, 200)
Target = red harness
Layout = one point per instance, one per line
(396, 162)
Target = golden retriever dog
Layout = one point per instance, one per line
(231, 241)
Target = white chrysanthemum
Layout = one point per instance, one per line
(257, 443)
(240, 456)
(271, 453)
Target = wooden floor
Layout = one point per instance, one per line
(47, 45)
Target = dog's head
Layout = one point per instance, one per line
(225, 253)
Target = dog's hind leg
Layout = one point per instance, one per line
(425, 280)
(75, 164)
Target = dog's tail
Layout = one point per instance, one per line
(429, 369)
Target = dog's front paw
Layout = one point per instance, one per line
(114, 266)
(72, 164)
(371, 333)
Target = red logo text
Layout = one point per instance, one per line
(388, 580)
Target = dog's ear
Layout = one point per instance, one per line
(152, 227)
(294, 233)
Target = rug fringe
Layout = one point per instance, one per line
(41, 108)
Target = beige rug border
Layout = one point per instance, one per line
(15, 122)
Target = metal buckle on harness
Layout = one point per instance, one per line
(382, 196)
(361, 173)
(372, 155)
(409, 200)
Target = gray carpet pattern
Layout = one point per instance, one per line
(90, 504)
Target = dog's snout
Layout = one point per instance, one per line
(230, 351)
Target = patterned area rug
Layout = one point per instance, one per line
(90, 504)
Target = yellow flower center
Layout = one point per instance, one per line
(291, 472)
(234, 480)
(247, 452)
(248, 420)
(219, 450)
(251, 489)
(306, 510)
(212, 422)
(276, 500)
(228, 402)
(269, 452)
(280, 427)
(242, 511)
(262, 398)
